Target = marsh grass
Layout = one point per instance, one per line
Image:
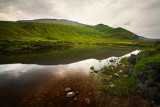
(110, 80)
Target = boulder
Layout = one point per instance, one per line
(132, 59)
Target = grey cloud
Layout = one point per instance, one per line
(139, 16)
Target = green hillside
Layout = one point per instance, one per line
(117, 33)
(46, 31)
(23, 34)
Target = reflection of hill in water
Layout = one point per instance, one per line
(59, 55)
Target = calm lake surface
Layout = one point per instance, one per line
(39, 77)
(60, 55)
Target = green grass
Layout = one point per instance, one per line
(149, 56)
(51, 32)
(123, 85)
(46, 31)
(103, 81)
(14, 44)
(115, 33)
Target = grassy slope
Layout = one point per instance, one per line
(29, 34)
(115, 33)
(44, 31)
(147, 57)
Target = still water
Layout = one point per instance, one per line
(39, 77)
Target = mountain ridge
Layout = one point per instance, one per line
(62, 29)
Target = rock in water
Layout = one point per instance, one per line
(67, 89)
(75, 99)
(87, 100)
(90, 93)
(92, 67)
(70, 94)
(77, 92)
(111, 60)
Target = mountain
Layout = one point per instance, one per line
(27, 31)
(149, 39)
(55, 21)
(117, 33)
(112, 33)
(61, 30)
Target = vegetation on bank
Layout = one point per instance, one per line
(112, 80)
(5, 44)
(121, 80)
(149, 56)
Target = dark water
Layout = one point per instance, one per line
(29, 84)
(60, 55)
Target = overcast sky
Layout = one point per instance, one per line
(139, 16)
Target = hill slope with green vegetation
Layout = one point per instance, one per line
(117, 33)
(46, 31)
(42, 33)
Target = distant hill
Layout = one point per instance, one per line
(55, 21)
(63, 30)
(117, 33)
(149, 39)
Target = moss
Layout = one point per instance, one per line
(145, 62)
(148, 57)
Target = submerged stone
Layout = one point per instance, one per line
(87, 100)
(67, 89)
(70, 94)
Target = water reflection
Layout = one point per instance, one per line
(25, 84)
(55, 56)
(82, 66)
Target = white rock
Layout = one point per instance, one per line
(70, 94)
(125, 75)
(121, 71)
(116, 74)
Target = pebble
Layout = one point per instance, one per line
(112, 85)
(92, 67)
(116, 74)
(152, 101)
(90, 93)
(70, 94)
(110, 76)
(125, 75)
(121, 71)
(67, 89)
(87, 100)
(75, 99)
(77, 92)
